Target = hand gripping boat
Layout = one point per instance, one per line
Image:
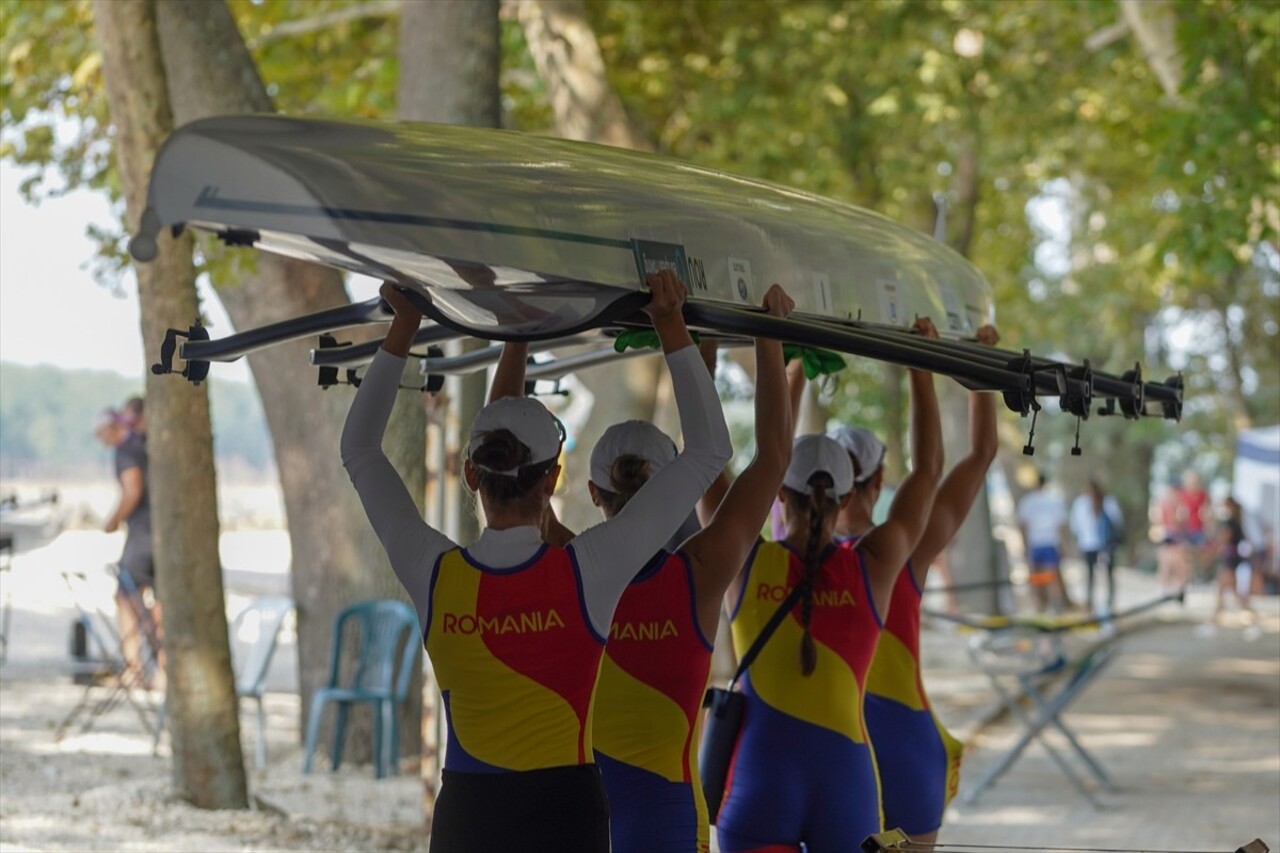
(507, 236)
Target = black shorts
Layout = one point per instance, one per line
(138, 561)
(557, 810)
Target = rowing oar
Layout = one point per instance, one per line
(1001, 623)
(897, 840)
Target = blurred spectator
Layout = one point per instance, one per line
(1233, 554)
(1042, 519)
(138, 610)
(1193, 503)
(1097, 524)
(1173, 569)
(1193, 514)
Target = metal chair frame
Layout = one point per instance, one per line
(102, 633)
(1033, 683)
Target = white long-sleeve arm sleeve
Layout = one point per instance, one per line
(610, 554)
(412, 545)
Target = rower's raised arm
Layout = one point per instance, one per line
(660, 506)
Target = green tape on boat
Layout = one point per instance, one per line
(817, 362)
(642, 339)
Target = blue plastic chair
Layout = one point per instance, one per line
(388, 633)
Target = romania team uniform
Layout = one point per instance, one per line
(803, 770)
(649, 710)
(516, 659)
(919, 761)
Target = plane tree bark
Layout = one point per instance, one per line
(204, 721)
(450, 54)
(971, 556)
(337, 560)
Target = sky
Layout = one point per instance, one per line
(52, 311)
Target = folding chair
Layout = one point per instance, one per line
(102, 635)
(1033, 663)
(258, 625)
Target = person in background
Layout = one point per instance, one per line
(1193, 514)
(1233, 554)
(1096, 523)
(1173, 570)
(1042, 518)
(138, 609)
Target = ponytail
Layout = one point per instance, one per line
(502, 451)
(627, 475)
(815, 505)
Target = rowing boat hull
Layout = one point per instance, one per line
(512, 235)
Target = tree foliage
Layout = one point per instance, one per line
(1115, 221)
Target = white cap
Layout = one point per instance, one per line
(864, 447)
(526, 419)
(629, 438)
(814, 453)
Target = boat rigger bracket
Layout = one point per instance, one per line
(330, 375)
(1078, 399)
(194, 371)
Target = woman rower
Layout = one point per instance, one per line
(649, 700)
(515, 628)
(918, 760)
(803, 771)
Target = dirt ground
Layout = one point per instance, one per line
(1187, 725)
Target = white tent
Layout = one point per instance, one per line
(1257, 474)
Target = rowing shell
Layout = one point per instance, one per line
(508, 236)
(532, 236)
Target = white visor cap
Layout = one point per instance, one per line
(863, 445)
(814, 453)
(526, 419)
(630, 438)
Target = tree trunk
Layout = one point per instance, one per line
(204, 720)
(450, 57)
(567, 55)
(971, 555)
(337, 560)
(586, 108)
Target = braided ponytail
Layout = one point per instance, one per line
(815, 505)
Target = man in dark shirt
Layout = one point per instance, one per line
(139, 610)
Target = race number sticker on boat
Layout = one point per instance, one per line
(822, 293)
(654, 257)
(891, 311)
(740, 280)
